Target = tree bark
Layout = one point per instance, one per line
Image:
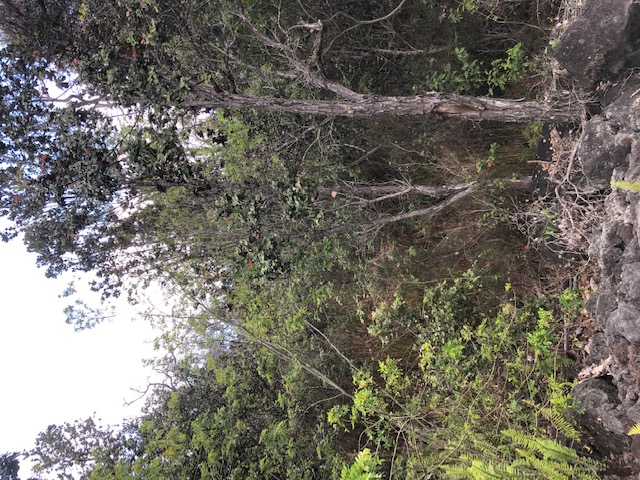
(432, 103)
(376, 191)
(457, 193)
(440, 191)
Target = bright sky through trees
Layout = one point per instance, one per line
(52, 374)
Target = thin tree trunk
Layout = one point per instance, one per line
(424, 212)
(399, 189)
(440, 191)
(433, 103)
(461, 193)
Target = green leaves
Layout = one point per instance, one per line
(364, 467)
(303, 331)
(540, 338)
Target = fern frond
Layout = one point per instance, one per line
(521, 438)
(487, 448)
(552, 450)
(635, 430)
(546, 468)
(455, 472)
(548, 448)
(480, 470)
(561, 423)
(469, 458)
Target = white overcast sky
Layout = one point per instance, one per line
(51, 374)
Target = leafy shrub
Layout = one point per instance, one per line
(484, 396)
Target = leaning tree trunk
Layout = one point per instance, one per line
(432, 103)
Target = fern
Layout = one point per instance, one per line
(526, 456)
(635, 430)
(456, 472)
(496, 465)
(478, 468)
(548, 448)
(560, 423)
(552, 450)
(488, 449)
(547, 469)
(488, 471)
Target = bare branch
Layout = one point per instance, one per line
(318, 79)
(390, 191)
(424, 212)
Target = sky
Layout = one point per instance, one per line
(51, 374)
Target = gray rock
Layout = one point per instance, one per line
(629, 83)
(625, 370)
(633, 414)
(599, 398)
(600, 307)
(629, 288)
(633, 216)
(598, 349)
(601, 45)
(623, 111)
(625, 321)
(608, 247)
(631, 248)
(601, 150)
(601, 42)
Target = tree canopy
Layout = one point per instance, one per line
(81, 187)
(224, 55)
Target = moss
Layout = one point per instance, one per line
(633, 187)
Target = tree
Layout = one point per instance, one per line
(9, 466)
(89, 199)
(222, 55)
(84, 195)
(226, 419)
(72, 450)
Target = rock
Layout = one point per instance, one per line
(601, 150)
(633, 217)
(632, 249)
(599, 398)
(632, 174)
(601, 42)
(608, 247)
(598, 349)
(623, 111)
(629, 288)
(625, 321)
(600, 308)
(625, 370)
(633, 415)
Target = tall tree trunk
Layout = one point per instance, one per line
(432, 103)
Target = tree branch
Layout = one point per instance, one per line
(463, 192)
(317, 80)
(424, 212)
(390, 191)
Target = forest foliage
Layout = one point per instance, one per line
(350, 296)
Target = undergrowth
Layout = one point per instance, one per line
(475, 394)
